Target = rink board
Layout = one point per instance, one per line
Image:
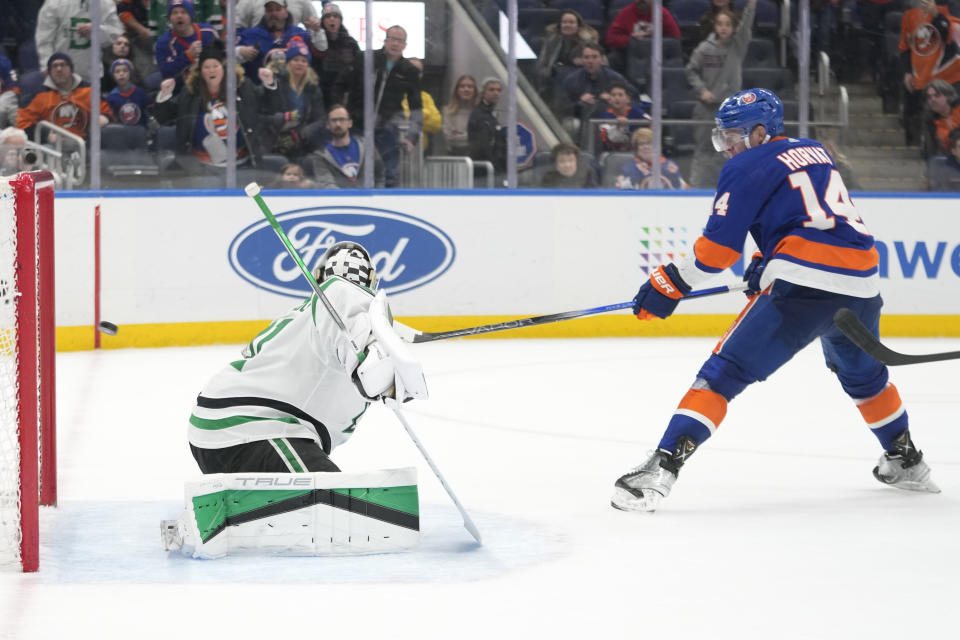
(203, 267)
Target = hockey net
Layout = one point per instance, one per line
(27, 365)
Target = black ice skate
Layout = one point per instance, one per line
(904, 467)
(644, 487)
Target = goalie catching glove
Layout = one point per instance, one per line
(388, 369)
(658, 297)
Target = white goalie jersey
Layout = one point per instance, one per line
(294, 379)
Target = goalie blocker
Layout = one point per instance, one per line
(297, 514)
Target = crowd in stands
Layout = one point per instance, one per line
(300, 90)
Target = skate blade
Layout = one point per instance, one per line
(922, 487)
(626, 501)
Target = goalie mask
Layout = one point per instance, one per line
(350, 261)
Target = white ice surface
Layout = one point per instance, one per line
(775, 529)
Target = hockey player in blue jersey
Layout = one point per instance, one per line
(815, 256)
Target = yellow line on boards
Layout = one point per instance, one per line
(185, 334)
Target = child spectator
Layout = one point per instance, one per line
(568, 171)
(639, 173)
(715, 72)
(294, 100)
(716, 6)
(616, 137)
(292, 177)
(127, 101)
(118, 49)
(559, 52)
(944, 116)
(588, 89)
(456, 115)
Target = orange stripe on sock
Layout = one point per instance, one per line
(883, 405)
(705, 402)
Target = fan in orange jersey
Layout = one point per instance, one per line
(64, 100)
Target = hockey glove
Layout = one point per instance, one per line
(658, 297)
(751, 275)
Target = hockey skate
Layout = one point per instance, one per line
(904, 467)
(645, 486)
(171, 533)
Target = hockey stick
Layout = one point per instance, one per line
(253, 190)
(410, 334)
(848, 322)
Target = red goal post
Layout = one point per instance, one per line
(28, 473)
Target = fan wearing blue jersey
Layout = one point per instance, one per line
(815, 256)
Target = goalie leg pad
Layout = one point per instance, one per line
(297, 514)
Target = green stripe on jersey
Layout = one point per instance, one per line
(232, 421)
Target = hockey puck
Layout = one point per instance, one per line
(108, 328)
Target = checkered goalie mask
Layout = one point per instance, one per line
(352, 263)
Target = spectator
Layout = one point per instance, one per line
(179, 46)
(118, 50)
(485, 139)
(64, 26)
(616, 137)
(636, 21)
(199, 112)
(251, 12)
(337, 65)
(14, 154)
(291, 177)
(558, 54)
(456, 115)
(339, 165)
(64, 100)
(715, 72)
(9, 93)
(639, 173)
(135, 18)
(587, 88)
(294, 101)
(569, 172)
(432, 120)
(269, 37)
(944, 116)
(397, 78)
(945, 174)
(928, 50)
(716, 6)
(127, 101)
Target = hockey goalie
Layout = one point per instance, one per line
(264, 427)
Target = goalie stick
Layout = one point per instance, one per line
(410, 334)
(253, 190)
(848, 322)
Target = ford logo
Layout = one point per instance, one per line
(407, 252)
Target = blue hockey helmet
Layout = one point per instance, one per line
(745, 110)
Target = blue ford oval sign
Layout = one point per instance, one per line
(407, 252)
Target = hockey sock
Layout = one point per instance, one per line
(885, 415)
(700, 413)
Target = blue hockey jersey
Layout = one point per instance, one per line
(789, 196)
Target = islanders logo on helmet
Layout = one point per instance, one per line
(747, 109)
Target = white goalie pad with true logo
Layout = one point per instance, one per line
(297, 514)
